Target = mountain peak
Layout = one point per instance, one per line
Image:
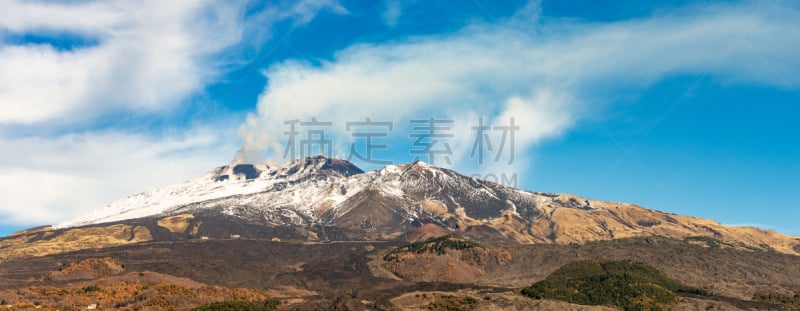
(239, 171)
(294, 168)
(321, 164)
(420, 165)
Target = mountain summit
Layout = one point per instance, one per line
(323, 199)
(298, 167)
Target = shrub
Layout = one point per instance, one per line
(788, 301)
(438, 245)
(91, 288)
(269, 305)
(451, 303)
(626, 284)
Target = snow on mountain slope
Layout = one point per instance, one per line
(320, 195)
(303, 190)
(222, 182)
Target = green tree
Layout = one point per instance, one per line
(626, 284)
(269, 305)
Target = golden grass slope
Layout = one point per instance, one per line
(565, 219)
(177, 223)
(45, 241)
(607, 220)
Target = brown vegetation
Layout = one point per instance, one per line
(100, 283)
(48, 242)
(177, 223)
(88, 269)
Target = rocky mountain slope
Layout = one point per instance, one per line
(329, 199)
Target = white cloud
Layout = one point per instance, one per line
(87, 18)
(149, 55)
(304, 11)
(392, 12)
(544, 72)
(48, 180)
(549, 111)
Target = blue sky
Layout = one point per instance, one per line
(683, 106)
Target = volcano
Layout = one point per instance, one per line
(320, 233)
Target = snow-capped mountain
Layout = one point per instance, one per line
(226, 183)
(329, 199)
(312, 190)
